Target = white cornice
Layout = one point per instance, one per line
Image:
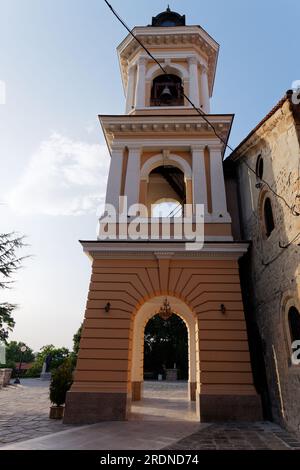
(116, 250)
(151, 130)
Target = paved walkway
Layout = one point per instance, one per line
(239, 436)
(24, 412)
(171, 424)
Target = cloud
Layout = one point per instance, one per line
(64, 177)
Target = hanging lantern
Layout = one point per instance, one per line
(165, 311)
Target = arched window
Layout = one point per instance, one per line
(268, 217)
(259, 169)
(294, 324)
(167, 90)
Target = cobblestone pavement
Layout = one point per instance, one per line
(239, 436)
(24, 412)
(24, 415)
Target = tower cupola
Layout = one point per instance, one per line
(168, 18)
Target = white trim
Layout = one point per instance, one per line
(172, 159)
(140, 90)
(130, 92)
(114, 181)
(147, 311)
(140, 249)
(132, 181)
(219, 203)
(199, 177)
(168, 31)
(152, 72)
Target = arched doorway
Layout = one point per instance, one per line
(148, 310)
(166, 349)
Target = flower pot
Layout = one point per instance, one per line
(56, 412)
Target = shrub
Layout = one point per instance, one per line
(34, 371)
(61, 382)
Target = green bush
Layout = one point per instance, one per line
(34, 371)
(61, 382)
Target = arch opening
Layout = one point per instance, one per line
(177, 396)
(166, 349)
(167, 90)
(166, 192)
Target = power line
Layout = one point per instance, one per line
(198, 110)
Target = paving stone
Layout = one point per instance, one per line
(243, 436)
(25, 415)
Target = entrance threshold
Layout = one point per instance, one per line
(164, 401)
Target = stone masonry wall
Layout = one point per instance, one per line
(274, 268)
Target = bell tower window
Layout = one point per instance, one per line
(167, 90)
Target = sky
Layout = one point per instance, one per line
(59, 66)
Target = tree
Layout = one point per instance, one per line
(13, 354)
(166, 343)
(58, 357)
(76, 343)
(76, 340)
(9, 263)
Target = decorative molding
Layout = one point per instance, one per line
(198, 147)
(193, 60)
(117, 148)
(119, 250)
(164, 255)
(204, 69)
(155, 70)
(156, 160)
(138, 126)
(215, 147)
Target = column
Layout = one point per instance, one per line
(194, 82)
(199, 177)
(130, 90)
(204, 89)
(219, 206)
(114, 177)
(132, 184)
(141, 83)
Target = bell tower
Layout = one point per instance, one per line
(162, 151)
(162, 137)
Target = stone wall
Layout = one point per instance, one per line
(5, 375)
(272, 274)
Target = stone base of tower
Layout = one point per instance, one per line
(220, 408)
(94, 407)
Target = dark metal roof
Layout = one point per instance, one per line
(168, 18)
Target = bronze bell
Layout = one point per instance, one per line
(166, 93)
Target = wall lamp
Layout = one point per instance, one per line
(107, 307)
(223, 309)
